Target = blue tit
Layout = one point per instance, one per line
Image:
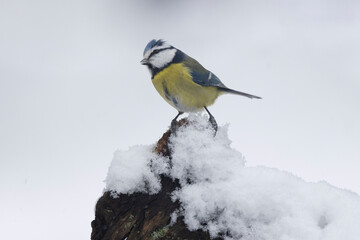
(182, 81)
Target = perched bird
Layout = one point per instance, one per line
(182, 81)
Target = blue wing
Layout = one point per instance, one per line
(200, 75)
(206, 78)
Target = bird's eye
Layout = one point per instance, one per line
(156, 51)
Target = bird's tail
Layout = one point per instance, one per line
(228, 90)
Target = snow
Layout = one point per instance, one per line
(220, 194)
(129, 171)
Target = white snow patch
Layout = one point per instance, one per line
(199, 157)
(222, 196)
(136, 170)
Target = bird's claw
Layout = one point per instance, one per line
(174, 126)
(213, 124)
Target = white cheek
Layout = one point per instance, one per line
(163, 58)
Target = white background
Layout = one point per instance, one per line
(72, 91)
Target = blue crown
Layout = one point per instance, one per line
(152, 44)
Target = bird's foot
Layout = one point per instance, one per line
(174, 126)
(213, 124)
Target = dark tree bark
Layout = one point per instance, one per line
(142, 216)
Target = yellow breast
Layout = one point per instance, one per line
(175, 85)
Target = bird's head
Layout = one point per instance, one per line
(158, 54)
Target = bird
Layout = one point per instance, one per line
(182, 81)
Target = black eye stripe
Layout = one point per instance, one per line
(157, 51)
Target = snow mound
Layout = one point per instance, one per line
(219, 194)
(130, 171)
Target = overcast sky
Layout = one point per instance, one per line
(72, 91)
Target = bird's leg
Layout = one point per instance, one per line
(212, 121)
(174, 124)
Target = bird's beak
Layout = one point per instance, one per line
(144, 62)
